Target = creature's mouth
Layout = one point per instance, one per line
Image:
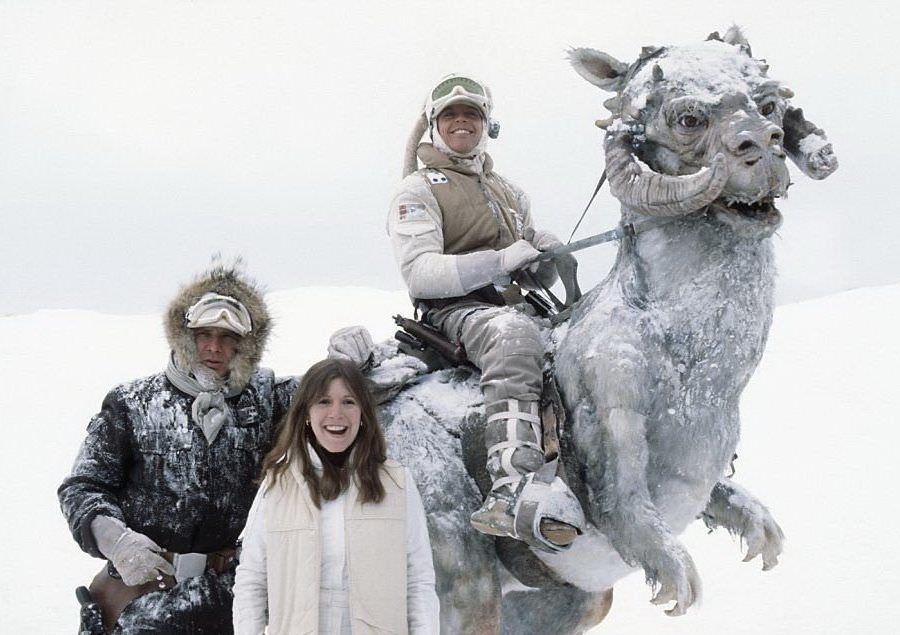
(763, 210)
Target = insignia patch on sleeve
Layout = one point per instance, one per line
(436, 178)
(412, 211)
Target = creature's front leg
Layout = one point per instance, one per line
(734, 508)
(632, 522)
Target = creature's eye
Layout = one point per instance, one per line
(767, 108)
(691, 121)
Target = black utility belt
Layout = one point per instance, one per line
(488, 294)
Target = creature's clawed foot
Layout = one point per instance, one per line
(742, 514)
(762, 535)
(672, 572)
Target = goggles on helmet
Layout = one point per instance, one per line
(222, 311)
(464, 83)
(458, 89)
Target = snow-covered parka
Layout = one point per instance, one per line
(296, 556)
(146, 462)
(448, 209)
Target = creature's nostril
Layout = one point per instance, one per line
(752, 161)
(776, 137)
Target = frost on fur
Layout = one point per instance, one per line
(653, 361)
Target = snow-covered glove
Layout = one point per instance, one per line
(546, 272)
(542, 240)
(481, 268)
(353, 343)
(517, 255)
(134, 555)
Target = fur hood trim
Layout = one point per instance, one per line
(225, 280)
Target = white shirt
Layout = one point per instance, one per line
(250, 594)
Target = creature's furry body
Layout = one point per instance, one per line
(651, 365)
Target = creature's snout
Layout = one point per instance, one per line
(756, 158)
(752, 144)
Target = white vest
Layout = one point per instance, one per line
(375, 546)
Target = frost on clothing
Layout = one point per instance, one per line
(145, 463)
(435, 261)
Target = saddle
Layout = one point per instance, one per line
(421, 340)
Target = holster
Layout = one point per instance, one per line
(112, 595)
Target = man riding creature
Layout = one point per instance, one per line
(653, 361)
(457, 228)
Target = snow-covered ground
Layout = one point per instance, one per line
(819, 443)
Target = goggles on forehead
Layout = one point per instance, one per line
(449, 85)
(222, 311)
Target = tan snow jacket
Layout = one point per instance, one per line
(450, 208)
(376, 557)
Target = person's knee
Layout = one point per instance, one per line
(513, 333)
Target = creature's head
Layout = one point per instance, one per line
(705, 119)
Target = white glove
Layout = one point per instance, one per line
(543, 240)
(517, 255)
(134, 555)
(352, 343)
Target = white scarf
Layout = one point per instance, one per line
(209, 410)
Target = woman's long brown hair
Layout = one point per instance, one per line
(295, 437)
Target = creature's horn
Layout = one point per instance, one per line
(410, 162)
(657, 194)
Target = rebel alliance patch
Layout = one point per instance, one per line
(436, 178)
(412, 211)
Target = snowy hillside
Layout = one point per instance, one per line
(819, 442)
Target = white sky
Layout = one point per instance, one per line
(138, 138)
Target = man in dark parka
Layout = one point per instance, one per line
(165, 476)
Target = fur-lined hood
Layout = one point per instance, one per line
(226, 280)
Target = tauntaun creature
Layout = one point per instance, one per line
(653, 361)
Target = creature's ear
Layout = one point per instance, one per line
(735, 37)
(598, 68)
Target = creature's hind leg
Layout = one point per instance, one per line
(465, 565)
(467, 575)
(563, 609)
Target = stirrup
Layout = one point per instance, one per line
(541, 506)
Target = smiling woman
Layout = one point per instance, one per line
(335, 417)
(336, 540)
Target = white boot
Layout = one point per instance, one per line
(527, 501)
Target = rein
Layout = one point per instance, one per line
(587, 207)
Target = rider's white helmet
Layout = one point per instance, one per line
(455, 89)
